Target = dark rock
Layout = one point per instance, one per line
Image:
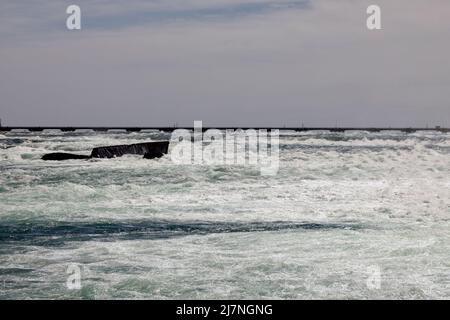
(59, 156)
(153, 155)
(151, 148)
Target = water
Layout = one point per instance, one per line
(349, 215)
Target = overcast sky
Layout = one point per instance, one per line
(226, 62)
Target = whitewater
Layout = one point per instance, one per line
(348, 215)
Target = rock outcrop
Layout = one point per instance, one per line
(149, 150)
(59, 156)
(153, 155)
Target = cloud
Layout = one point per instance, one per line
(316, 64)
(212, 11)
(27, 18)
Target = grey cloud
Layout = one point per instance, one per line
(31, 18)
(278, 67)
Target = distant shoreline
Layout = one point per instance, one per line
(170, 129)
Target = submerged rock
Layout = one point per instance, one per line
(152, 149)
(58, 156)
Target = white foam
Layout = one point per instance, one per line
(399, 196)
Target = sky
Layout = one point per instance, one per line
(225, 62)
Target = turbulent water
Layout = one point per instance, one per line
(349, 215)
